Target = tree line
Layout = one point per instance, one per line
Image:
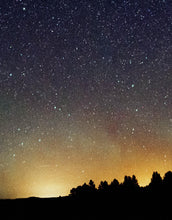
(114, 200)
(130, 185)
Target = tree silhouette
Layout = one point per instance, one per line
(114, 186)
(114, 183)
(167, 181)
(127, 200)
(156, 185)
(130, 183)
(168, 178)
(128, 195)
(103, 186)
(84, 190)
(92, 185)
(156, 181)
(134, 180)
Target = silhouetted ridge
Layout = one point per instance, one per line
(126, 200)
(130, 184)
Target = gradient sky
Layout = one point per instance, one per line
(85, 93)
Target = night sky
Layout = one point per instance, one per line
(85, 93)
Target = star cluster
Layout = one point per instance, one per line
(85, 92)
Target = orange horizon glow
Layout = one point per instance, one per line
(52, 174)
(84, 94)
(44, 185)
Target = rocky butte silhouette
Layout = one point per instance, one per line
(126, 200)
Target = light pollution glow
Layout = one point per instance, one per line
(84, 93)
(92, 154)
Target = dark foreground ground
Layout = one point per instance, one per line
(141, 206)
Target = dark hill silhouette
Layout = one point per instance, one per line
(126, 200)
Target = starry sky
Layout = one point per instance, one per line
(85, 93)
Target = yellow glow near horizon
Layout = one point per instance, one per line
(48, 190)
(45, 186)
(52, 169)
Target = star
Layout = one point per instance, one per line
(83, 81)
